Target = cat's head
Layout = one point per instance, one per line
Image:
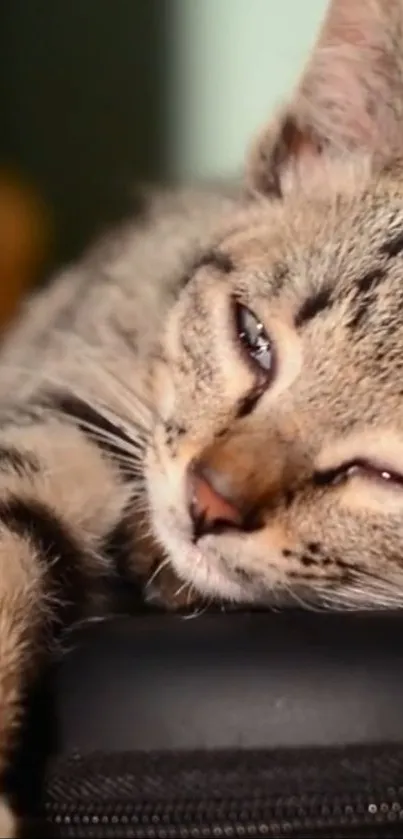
(277, 458)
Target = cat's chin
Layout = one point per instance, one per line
(199, 567)
(205, 573)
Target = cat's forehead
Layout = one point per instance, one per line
(345, 243)
(333, 268)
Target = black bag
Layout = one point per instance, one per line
(230, 725)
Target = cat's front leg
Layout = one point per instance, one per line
(8, 822)
(60, 499)
(24, 617)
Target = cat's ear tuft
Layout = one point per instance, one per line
(278, 151)
(349, 99)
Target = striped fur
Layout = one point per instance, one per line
(75, 417)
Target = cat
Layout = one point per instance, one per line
(211, 399)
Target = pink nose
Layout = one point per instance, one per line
(208, 509)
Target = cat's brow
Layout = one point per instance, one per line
(212, 258)
(216, 259)
(313, 305)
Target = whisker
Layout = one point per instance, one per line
(182, 588)
(381, 595)
(297, 597)
(118, 387)
(128, 446)
(131, 411)
(165, 562)
(197, 613)
(122, 449)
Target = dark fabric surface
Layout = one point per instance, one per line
(156, 727)
(345, 792)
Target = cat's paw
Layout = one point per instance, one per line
(8, 822)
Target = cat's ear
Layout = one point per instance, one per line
(349, 99)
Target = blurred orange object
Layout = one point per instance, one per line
(24, 241)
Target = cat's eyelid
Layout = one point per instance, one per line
(366, 468)
(381, 448)
(379, 470)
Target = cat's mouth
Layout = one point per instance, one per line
(200, 564)
(208, 571)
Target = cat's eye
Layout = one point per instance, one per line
(254, 339)
(360, 468)
(374, 471)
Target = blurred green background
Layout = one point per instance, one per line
(96, 94)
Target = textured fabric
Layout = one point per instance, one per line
(342, 792)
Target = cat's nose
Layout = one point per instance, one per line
(210, 512)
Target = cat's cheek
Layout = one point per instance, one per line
(163, 390)
(372, 497)
(165, 485)
(263, 556)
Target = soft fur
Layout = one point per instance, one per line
(129, 372)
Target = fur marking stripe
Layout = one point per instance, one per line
(394, 246)
(82, 413)
(16, 460)
(370, 280)
(57, 548)
(313, 306)
(216, 259)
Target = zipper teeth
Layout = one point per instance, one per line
(225, 820)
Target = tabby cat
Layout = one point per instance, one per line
(212, 399)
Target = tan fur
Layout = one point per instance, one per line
(143, 333)
(8, 825)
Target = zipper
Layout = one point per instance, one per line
(353, 793)
(313, 816)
